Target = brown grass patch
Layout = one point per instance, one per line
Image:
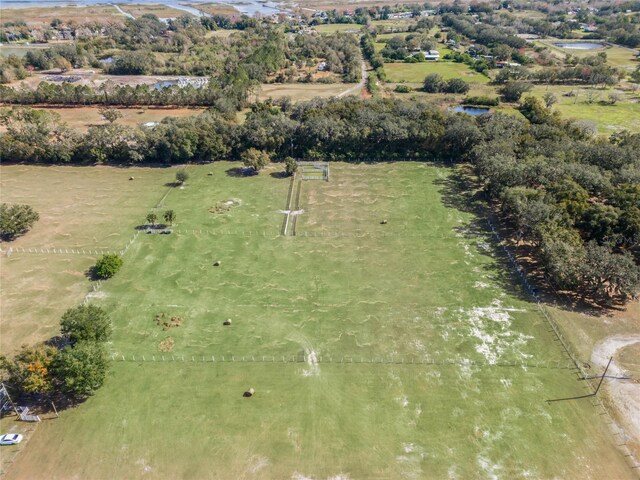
(167, 344)
(166, 322)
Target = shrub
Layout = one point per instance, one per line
(16, 220)
(484, 101)
(402, 89)
(290, 166)
(108, 265)
(182, 176)
(433, 83)
(456, 85)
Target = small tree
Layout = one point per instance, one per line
(81, 369)
(169, 216)
(456, 85)
(182, 176)
(86, 323)
(614, 97)
(110, 114)
(512, 91)
(30, 370)
(549, 99)
(16, 220)
(254, 158)
(290, 166)
(63, 64)
(108, 265)
(152, 218)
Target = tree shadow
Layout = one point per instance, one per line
(461, 190)
(279, 175)
(147, 227)
(173, 184)
(239, 172)
(91, 273)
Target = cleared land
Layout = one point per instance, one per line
(301, 92)
(415, 72)
(428, 285)
(82, 118)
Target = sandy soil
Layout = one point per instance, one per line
(624, 394)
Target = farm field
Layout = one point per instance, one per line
(409, 349)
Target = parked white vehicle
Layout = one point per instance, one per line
(10, 439)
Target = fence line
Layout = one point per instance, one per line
(59, 251)
(338, 359)
(533, 293)
(316, 234)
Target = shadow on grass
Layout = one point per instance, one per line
(461, 190)
(279, 175)
(239, 172)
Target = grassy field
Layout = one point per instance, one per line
(214, 9)
(91, 209)
(301, 92)
(338, 27)
(426, 286)
(415, 72)
(160, 11)
(625, 114)
(78, 14)
(82, 118)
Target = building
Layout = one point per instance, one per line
(431, 55)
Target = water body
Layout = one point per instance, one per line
(247, 7)
(471, 110)
(580, 45)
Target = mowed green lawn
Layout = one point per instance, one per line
(415, 72)
(425, 286)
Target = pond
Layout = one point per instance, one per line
(470, 110)
(580, 45)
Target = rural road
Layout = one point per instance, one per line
(357, 87)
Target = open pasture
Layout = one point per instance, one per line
(397, 350)
(81, 118)
(415, 72)
(83, 209)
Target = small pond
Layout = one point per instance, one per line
(470, 110)
(580, 45)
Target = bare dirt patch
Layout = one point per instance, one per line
(623, 394)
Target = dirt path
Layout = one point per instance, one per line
(123, 12)
(357, 87)
(624, 394)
